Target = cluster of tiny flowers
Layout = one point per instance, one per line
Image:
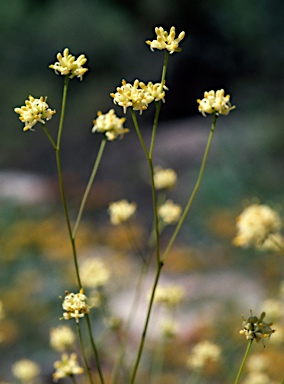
(110, 125)
(94, 273)
(139, 95)
(75, 305)
(62, 338)
(69, 65)
(121, 211)
(164, 178)
(256, 328)
(25, 370)
(215, 102)
(256, 367)
(170, 296)
(169, 212)
(255, 225)
(203, 353)
(68, 366)
(166, 40)
(35, 110)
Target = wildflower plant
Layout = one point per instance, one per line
(133, 99)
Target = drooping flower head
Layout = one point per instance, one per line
(67, 64)
(256, 328)
(166, 40)
(75, 305)
(139, 95)
(256, 225)
(67, 366)
(110, 125)
(121, 211)
(34, 110)
(215, 102)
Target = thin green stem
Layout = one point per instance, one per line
(94, 349)
(244, 361)
(143, 338)
(83, 353)
(136, 125)
(60, 176)
(49, 136)
(88, 188)
(158, 104)
(196, 187)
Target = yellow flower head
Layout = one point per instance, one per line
(139, 95)
(62, 338)
(67, 366)
(166, 40)
(256, 328)
(202, 353)
(164, 178)
(35, 110)
(75, 305)
(169, 212)
(110, 125)
(25, 370)
(69, 65)
(121, 211)
(215, 102)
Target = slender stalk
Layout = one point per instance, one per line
(244, 361)
(72, 378)
(49, 137)
(88, 188)
(196, 187)
(143, 338)
(61, 184)
(83, 353)
(94, 348)
(158, 104)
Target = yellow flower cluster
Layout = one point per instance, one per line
(75, 305)
(110, 125)
(35, 110)
(139, 95)
(166, 40)
(169, 212)
(202, 353)
(215, 102)
(257, 225)
(164, 178)
(68, 366)
(26, 371)
(69, 65)
(170, 295)
(62, 338)
(121, 211)
(94, 273)
(256, 328)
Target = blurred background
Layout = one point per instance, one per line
(235, 45)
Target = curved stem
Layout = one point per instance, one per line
(83, 353)
(49, 137)
(94, 349)
(244, 361)
(90, 182)
(196, 187)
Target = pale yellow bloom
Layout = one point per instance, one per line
(255, 225)
(164, 178)
(166, 40)
(94, 273)
(25, 370)
(170, 295)
(138, 96)
(258, 378)
(203, 353)
(215, 102)
(257, 363)
(168, 328)
(68, 366)
(75, 305)
(35, 110)
(69, 65)
(169, 212)
(110, 125)
(121, 211)
(62, 338)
